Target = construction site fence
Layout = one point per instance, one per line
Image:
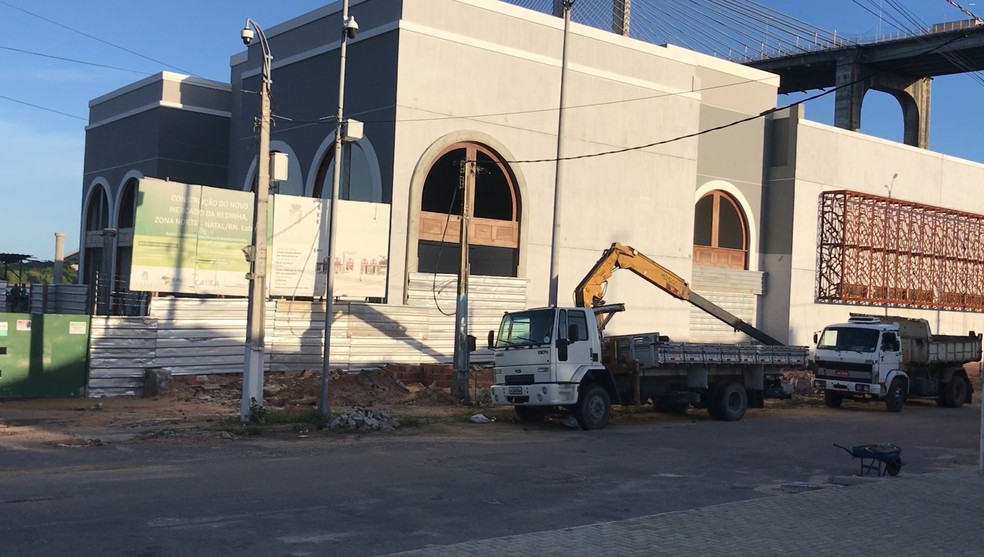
(196, 336)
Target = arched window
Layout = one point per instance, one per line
(97, 210)
(125, 218)
(720, 232)
(128, 205)
(355, 184)
(493, 237)
(96, 219)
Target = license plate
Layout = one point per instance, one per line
(515, 390)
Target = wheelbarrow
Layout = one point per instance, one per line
(883, 458)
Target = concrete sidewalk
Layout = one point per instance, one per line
(937, 514)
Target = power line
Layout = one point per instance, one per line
(39, 107)
(326, 119)
(762, 114)
(95, 38)
(73, 60)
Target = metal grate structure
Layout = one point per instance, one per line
(876, 250)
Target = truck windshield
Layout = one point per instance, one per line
(527, 328)
(848, 338)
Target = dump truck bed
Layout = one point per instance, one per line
(954, 349)
(651, 352)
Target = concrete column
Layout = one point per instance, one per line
(59, 257)
(106, 278)
(913, 94)
(557, 10)
(621, 10)
(850, 93)
(914, 97)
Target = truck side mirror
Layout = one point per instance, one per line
(472, 341)
(816, 337)
(491, 340)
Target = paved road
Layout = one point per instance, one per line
(936, 514)
(674, 486)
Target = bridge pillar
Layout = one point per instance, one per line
(621, 12)
(854, 79)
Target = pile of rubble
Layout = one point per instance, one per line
(364, 419)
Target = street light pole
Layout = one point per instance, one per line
(257, 252)
(349, 28)
(559, 174)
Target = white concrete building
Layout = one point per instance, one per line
(733, 211)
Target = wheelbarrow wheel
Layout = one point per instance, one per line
(894, 467)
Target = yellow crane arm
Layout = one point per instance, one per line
(591, 290)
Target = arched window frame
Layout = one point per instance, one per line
(714, 255)
(444, 228)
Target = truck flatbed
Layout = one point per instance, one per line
(651, 351)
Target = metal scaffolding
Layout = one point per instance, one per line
(877, 250)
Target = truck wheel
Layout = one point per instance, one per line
(832, 399)
(593, 407)
(955, 392)
(531, 414)
(730, 402)
(895, 396)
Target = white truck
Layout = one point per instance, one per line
(880, 357)
(557, 357)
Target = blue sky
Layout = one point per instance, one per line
(41, 146)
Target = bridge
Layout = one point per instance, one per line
(903, 68)
(805, 56)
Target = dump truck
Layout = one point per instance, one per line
(891, 358)
(552, 358)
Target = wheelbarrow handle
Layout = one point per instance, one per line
(849, 451)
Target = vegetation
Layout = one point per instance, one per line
(38, 272)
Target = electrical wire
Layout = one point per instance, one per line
(93, 37)
(73, 60)
(39, 107)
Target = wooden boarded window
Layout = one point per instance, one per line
(493, 236)
(720, 232)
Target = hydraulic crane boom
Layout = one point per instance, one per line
(590, 292)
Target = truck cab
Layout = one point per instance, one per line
(890, 358)
(856, 359)
(550, 356)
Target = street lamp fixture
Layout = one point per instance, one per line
(256, 253)
(349, 29)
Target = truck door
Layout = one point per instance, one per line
(889, 355)
(572, 329)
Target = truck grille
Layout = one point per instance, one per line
(519, 379)
(843, 371)
(847, 366)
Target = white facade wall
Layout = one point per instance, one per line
(828, 159)
(489, 72)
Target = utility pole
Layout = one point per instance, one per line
(349, 29)
(257, 253)
(559, 173)
(459, 381)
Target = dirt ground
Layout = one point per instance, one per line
(212, 403)
(207, 406)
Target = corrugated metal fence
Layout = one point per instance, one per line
(202, 336)
(734, 290)
(60, 298)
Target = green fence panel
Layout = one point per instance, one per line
(43, 355)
